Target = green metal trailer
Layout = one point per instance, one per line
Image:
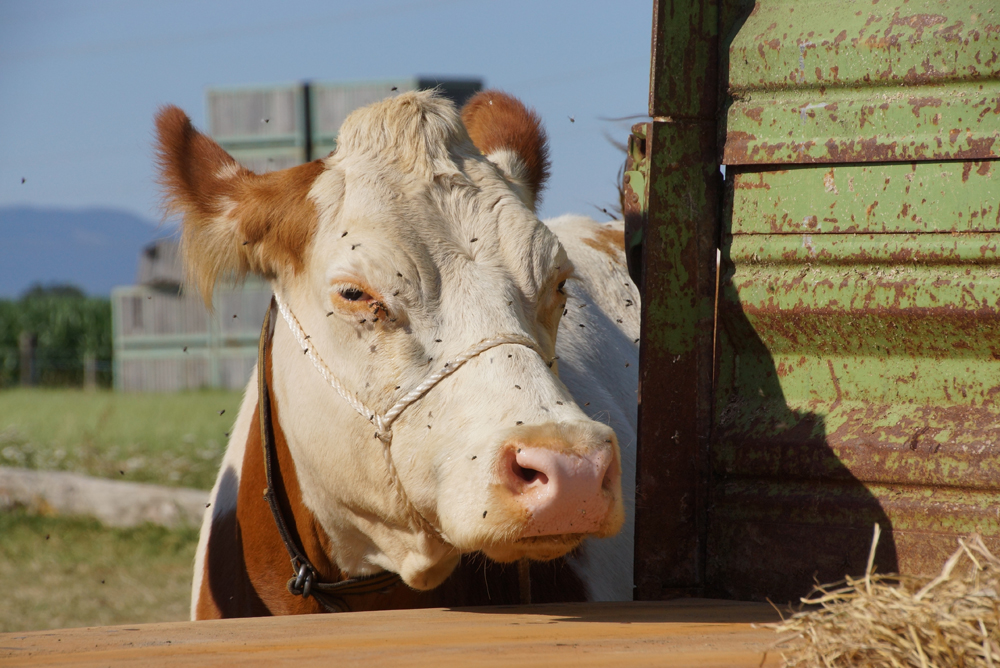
(821, 329)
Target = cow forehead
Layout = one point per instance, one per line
(420, 132)
(382, 221)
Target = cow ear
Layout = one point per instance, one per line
(235, 222)
(511, 136)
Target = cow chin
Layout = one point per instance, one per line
(548, 547)
(536, 548)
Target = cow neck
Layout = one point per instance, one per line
(305, 580)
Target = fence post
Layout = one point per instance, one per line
(89, 372)
(27, 342)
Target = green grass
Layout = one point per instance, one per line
(169, 439)
(58, 572)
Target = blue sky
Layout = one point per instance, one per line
(80, 81)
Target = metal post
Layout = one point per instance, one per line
(307, 138)
(679, 267)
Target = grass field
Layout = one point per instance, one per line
(58, 572)
(169, 439)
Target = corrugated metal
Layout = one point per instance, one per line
(857, 374)
(858, 362)
(896, 80)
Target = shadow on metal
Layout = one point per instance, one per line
(784, 512)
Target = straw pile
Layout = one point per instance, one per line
(885, 620)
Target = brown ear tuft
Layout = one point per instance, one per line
(190, 166)
(497, 121)
(235, 221)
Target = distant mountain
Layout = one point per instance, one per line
(95, 249)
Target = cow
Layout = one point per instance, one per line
(446, 385)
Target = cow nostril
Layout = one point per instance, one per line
(528, 475)
(609, 479)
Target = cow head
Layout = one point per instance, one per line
(407, 245)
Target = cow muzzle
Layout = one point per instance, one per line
(563, 479)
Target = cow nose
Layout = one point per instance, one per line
(563, 489)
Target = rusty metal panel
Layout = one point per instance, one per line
(896, 80)
(676, 359)
(635, 194)
(680, 184)
(683, 76)
(874, 197)
(858, 372)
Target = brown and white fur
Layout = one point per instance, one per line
(415, 239)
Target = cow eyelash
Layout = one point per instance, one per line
(353, 294)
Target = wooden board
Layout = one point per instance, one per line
(684, 633)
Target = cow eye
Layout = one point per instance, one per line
(352, 294)
(561, 286)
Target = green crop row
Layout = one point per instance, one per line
(67, 326)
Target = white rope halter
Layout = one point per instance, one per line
(383, 422)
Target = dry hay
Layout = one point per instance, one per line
(952, 620)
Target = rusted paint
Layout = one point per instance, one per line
(676, 359)
(936, 447)
(685, 59)
(858, 372)
(679, 241)
(887, 43)
(867, 257)
(857, 360)
(635, 195)
(912, 198)
(857, 124)
(836, 85)
(774, 538)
